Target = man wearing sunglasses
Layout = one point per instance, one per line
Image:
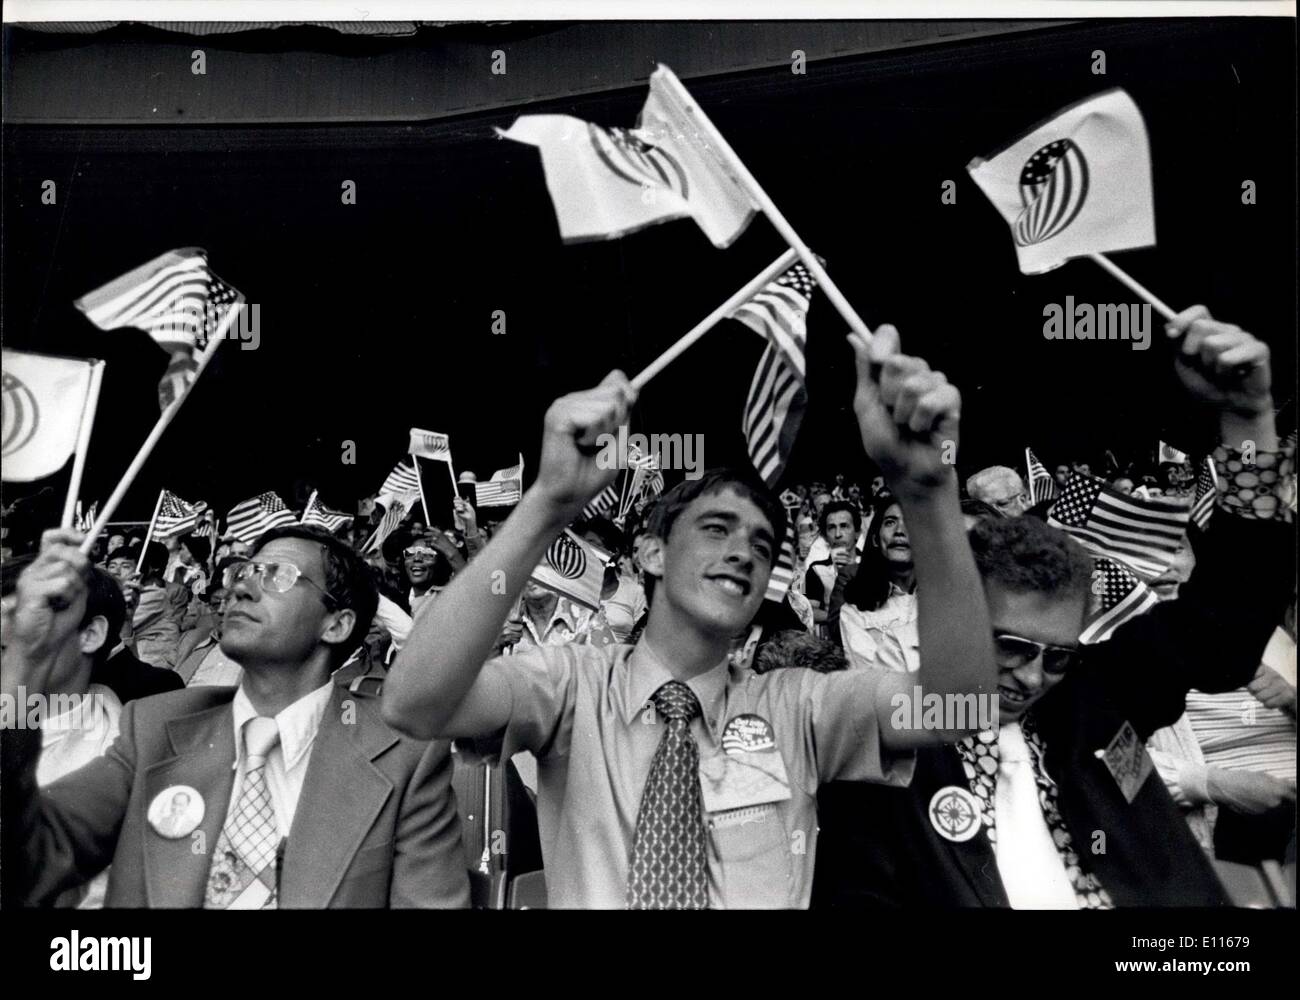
(1058, 806)
(295, 791)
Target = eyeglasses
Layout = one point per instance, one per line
(274, 578)
(1015, 651)
(419, 550)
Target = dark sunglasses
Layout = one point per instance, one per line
(1015, 651)
(274, 578)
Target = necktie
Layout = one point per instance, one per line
(243, 873)
(1028, 860)
(669, 864)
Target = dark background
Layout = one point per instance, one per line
(377, 316)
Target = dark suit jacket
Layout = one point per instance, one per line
(129, 677)
(376, 823)
(877, 845)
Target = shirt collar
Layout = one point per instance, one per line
(297, 722)
(564, 612)
(645, 673)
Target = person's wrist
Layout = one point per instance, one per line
(927, 489)
(554, 513)
(1258, 426)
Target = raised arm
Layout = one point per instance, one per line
(909, 417)
(436, 687)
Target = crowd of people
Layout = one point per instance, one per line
(278, 723)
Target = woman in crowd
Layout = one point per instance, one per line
(878, 620)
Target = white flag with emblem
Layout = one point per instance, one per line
(44, 400)
(430, 444)
(608, 182)
(574, 569)
(1077, 184)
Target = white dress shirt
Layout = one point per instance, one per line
(286, 764)
(1032, 871)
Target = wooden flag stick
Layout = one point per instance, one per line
(415, 459)
(148, 535)
(723, 150)
(1142, 291)
(769, 273)
(168, 415)
(83, 441)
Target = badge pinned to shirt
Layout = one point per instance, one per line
(748, 772)
(1127, 761)
(176, 811)
(955, 813)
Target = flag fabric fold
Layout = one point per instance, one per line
(43, 400)
(1144, 534)
(176, 517)
(504, 489)
(317, 515)
(607, 182)
(176, 299)
(401, 480)
(1079, 183)
(396, 507)
(248, 520)
(1120, 595)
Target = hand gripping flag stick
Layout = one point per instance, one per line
(168, 415)
(760, 281)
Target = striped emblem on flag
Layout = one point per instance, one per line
(396, 507)
(175, 298)
(176, 517)
(1142, 534)
(248, 520)
(777, 396)
(1207, 493)
(1053, 186)
(631, 158)
(401, 480)
(1041, 484)
(317, 515)
(1119, 596)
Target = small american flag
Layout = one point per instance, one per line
(248, 520)
(642, 473)
(176, 299)
(504, 488)
(1143, 534)
(1121, 596)
(1207, 493)
(396, 507)
(176, 517)
(777, 395)
(1041, 484)
(86, 521)
(778, 584)
(316, 514)
(603, 503)
(401, 480)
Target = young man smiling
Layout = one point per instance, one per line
(667, 778)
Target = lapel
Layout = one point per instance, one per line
(974, 858)
(342, 795)
(176, 871)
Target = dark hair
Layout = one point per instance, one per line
(869, 588)
(835, 507)
(661, 516)
(198, 547)
(611, 538)
(155, 560)
(797, 648)
(104, 597)
(347, 578)
(1027, 556)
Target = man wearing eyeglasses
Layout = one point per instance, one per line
(295, 792)
(1058, 805)
(1001, 488)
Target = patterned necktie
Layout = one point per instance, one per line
(243, 873)
(669, 864)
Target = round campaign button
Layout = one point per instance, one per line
(955, 813)
(176, 811)
(748, 734)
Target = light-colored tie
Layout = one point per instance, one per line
(1028, 861)
(243, 871)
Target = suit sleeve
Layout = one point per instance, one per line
(1212, 637)
(65, 834)
(428, 860)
